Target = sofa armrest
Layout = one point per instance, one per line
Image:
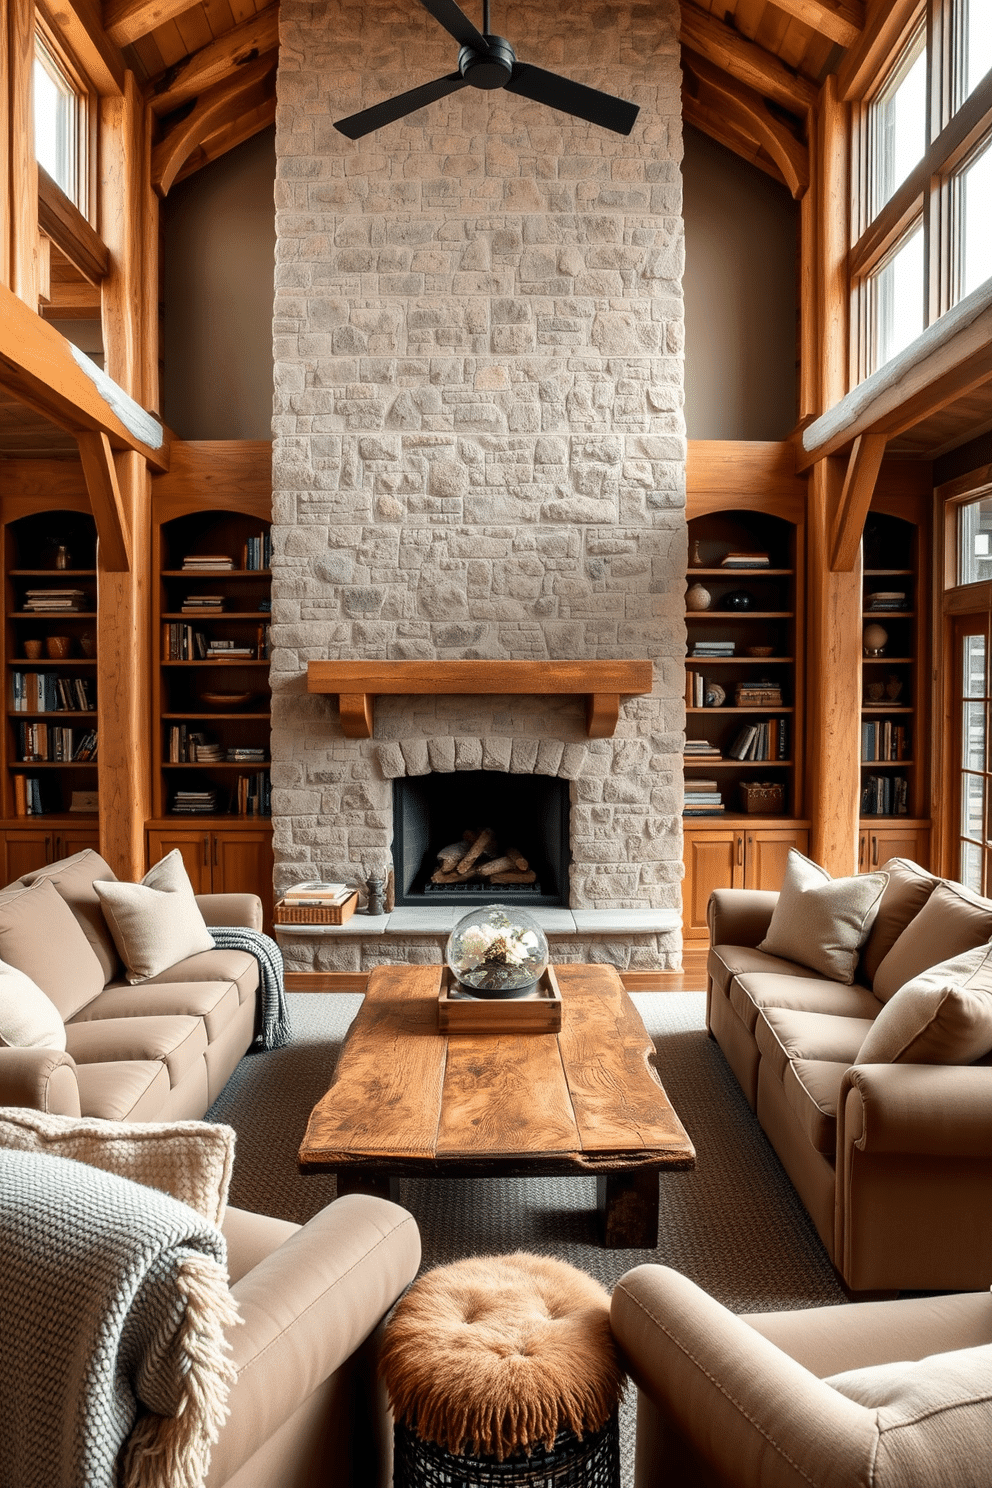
(920, 1110)
(231, 909)
(44, 1079)
(748, 1410)
(739, 916)
(307, 1307)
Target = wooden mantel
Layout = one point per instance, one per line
(358, 683)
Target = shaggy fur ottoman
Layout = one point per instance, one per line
(509, 1359)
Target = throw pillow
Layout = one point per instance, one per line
(191, 1160)
(40, 935)
(73, 877)
(28, 1018)
(822, 922)
(943, 1016)
(908, 889)
(157, 922)
(952, 921)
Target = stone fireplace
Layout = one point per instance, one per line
(479, 454)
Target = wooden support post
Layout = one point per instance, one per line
(123, 707)
(19, 193)
(112, 524)
(123, 153)
(832, 221)
(855, 499)
(834, 671)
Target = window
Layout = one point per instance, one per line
(896, 298)
(899, 122)
(973, 36)
(974, 531)
(59, 123)
(972, 196)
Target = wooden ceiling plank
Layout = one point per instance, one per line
(126, 20)
(750, 64)
(217, 107)
(220, 17)
(209, 66)
(68, 229)
(147, 57)
(80, 25)
(855, 499)
(882, 32)
(109, 514)
(194, 29)
(747, 109)
(842, 21)
(243, 128)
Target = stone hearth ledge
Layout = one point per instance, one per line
(442, 920)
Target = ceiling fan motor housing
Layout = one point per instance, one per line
(490, 69)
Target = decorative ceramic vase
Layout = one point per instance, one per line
(33, 649)
(698, 597)
(58, 647)
(497, 952)
(874, 640)
(893, 687)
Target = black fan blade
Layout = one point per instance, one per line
(357, 125)
(572, 98)
(456, 23)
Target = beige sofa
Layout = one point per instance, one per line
(893, 1394)
(161, 1050)
(892, 1160)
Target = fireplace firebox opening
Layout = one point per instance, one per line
(527, 815)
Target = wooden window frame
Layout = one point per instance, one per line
(87, 117)
(954, 136)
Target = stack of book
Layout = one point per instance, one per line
(746, 560)
(229, 651)
(317, 903)
(60, 601)
(763, 694)
(44, 741)
(47, 692)
(888, 599)
(182, 643)
(713, 648)
(762, 741)
(885, 795)
(242, 754)
(203, 604)
(700, 749)
(702, 798)
(195, 802)
(205, 562)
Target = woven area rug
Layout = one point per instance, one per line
(734, 1224)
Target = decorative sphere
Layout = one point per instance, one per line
(737, 599)
(497, 951)
(875, 638)
(698, 598)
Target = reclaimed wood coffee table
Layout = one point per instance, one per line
(410, 1101)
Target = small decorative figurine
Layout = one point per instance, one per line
(375, 885)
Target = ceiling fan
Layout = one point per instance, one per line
(488, 62)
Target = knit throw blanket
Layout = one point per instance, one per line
(114, 1367)
(275, 1030)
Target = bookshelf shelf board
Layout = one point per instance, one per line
(53, 615)
(887, 660)
(760, 708)
(733, 573)
(892, 708)
(216, 573)
(735, 615)
(16, 713)
(736, 660)
(907, 573)
(188, 616)
(890, 614)
(188, 713)
(888, 764)
(735, 764)
(215, 661)
(89, 764)
(245, 767)
(52, 573)
(45, 663)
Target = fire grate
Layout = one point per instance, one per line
(490, 891)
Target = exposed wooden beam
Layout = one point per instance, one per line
(855, 498)
(72, 302)
(219, 106)
(19, 250)
(879, 39)
(747, 109)
(127, 20)
(111, 520)
(228, 138)
(719, 127)
(842, 21)
(80, 25)
(68, 229)
(745, 60)
(41, 369)
(833, 140)
(193, 75)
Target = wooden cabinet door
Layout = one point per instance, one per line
(766, 853)
(882, 843)
(713, 860)
(69, 840)
(242, 864)
(194, 846)
(25, 850)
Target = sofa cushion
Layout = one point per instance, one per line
(74, 878)
(953, 920)
(943, 1016)
(215, 1002)
(908, 889)
(41, 936)
(191, 1160)
(213, 966)
(29, 1018)
(812, 1088)
(157, 922)
(177, 1042)
(748, 994)
(782, 1035)
(123, 1089)
(822, 922)
(724, 962)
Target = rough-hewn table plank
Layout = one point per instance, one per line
(505, 1095)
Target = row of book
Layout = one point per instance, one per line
(257, 553)
(55, 601)
(182, 642)
(251, 795)
(885, 795)
(188, 746)
(768, 740)
(885, 740)
(27, 796)
(48, 741)
(48, 692)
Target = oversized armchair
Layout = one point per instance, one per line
(828, 1397)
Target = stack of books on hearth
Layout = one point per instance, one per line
(317, 903)
(702, 798)
(205, 562)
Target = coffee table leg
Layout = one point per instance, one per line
(368, 1181)
(628, 1207)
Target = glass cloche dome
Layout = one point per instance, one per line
(497, 951)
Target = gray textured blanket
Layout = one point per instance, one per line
(275, 1030)
(113, 1304)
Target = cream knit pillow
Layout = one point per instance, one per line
(191, 1160)
(157, 922)
(823, 922)
(29, 1018)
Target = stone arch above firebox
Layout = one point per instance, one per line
(444, 754)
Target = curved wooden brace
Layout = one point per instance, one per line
(717, 124)
(218, 106)
(747, 109)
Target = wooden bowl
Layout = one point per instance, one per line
(33, 649)
(58, 647)
(226, 699)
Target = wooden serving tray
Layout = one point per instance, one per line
(540, 1012)
(315, 914)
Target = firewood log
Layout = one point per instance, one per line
(485, 839)
(504, 864)
(450, 855)
(440, 877)
(508, 878)
(519, 861)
